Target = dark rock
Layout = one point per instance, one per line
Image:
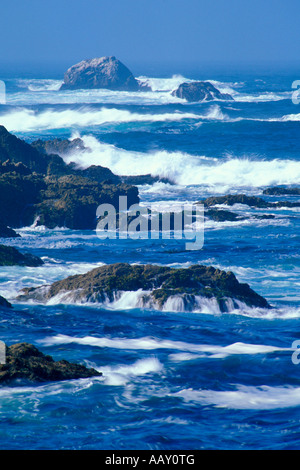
(199, 91)
(4, 303)
(71, 201)
(10, 256)
(264, 216)
(41, 186)
(227, 216)
(6, 232)
(145, 179)
(18, 168)
(103, 72)
(58, 146)
(25, 361)
(18, 192)
(16, 150)
(281, 191)
(223, 216)
(251, 201)
(163, 282)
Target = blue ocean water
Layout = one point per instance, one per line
(171, 379)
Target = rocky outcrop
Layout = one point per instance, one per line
(65, 147)
(10, 256)
(16, 150)
(18, 192)
(25, 361)
(145, 179)
(222, 216)
(50, 192)
(199, 91)
(103, 72)
(281, 191)
(156, 284)
(71, 201)
(219, 215)
(4, 303)
(6, 232)
(59, 146)
(252, 201)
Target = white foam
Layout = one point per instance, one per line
(150, 343)
(185, 169)
(28, 120)
(245, 397)
(291, 117)
(122, 374)
(163, 84)
(40, 85)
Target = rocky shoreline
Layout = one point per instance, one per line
(36, 185)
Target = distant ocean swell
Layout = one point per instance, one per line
(28, 120)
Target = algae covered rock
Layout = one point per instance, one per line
(10, 256)
(25, 361)
(156, 284)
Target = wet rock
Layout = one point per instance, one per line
(4, 303)
(282, 191)
(71, 201)
(42, 188)
(10, 256)
(199, 91)
(159, 283)
(251, 201)
(223, 216)
(145, 179)
(17, 151)
(25, 361)
(6, 232)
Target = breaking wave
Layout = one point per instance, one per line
(185, 169)
(27, 120)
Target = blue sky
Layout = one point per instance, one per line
(58, 33)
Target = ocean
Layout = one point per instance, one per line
(172, 379)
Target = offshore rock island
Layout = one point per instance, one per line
(159, 285)
(104, 72)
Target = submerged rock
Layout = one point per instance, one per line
(252, 201)
(223, 216)
(219, 215)
(158, 286)
(199, 91)
(282, 191)
(10, 256)
(25, 361)
(103, 72)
